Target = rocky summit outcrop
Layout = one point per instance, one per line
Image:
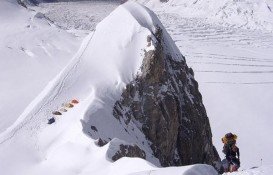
(166, 105)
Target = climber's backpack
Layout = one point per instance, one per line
(229, 139)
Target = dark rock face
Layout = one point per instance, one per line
(165, 103)
(22, 3)
(25, 3)
(119, 149)
(129, 151)
(101, 142)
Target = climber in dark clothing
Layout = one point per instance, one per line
(233, 155)
(231, 151)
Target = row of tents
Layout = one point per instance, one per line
(65, 107)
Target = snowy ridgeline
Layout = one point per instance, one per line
(108, 59)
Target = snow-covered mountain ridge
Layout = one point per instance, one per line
(248, 14)
(108, 60)
(179, 35)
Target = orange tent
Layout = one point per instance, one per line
(74, 101)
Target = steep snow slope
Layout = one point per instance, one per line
(32, 52)
(107, 60)
(234, 70)
(250, 14)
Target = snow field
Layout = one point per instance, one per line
(247, 14)
(84, 15)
